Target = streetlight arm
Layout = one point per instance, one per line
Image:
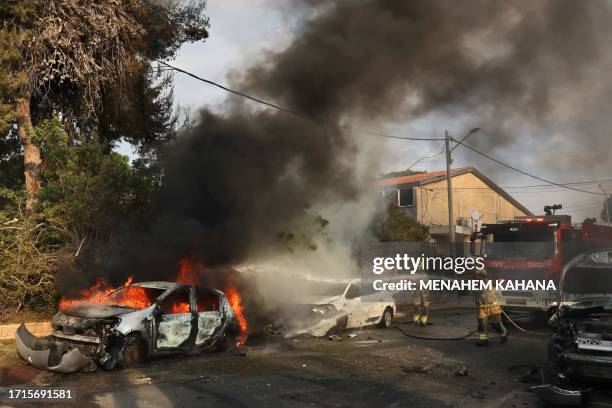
(471, 132)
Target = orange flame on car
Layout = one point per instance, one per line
(101, 293)
(188, 269)
(137, 297)
(235, 301)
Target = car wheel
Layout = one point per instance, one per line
(386, 319)
(133, 351)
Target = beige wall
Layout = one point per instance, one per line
(468, 192)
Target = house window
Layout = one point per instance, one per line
(406, 197)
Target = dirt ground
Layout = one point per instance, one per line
(25, 316)
(377, 367)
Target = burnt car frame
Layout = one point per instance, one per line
(581, 346)
(90, 335)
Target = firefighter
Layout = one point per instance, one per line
(421, 308)
(490, 311)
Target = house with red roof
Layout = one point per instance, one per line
(476, 200)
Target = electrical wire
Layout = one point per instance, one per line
(571, 183)
(524, 172)
(287, 110)
(430, 156)
(306, 117)
(426, 157)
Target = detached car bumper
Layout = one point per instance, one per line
(44, 352)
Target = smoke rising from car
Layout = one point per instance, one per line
(254, 181)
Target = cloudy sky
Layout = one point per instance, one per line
(241, 33)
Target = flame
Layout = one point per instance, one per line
(136, 297)
(187, 272)
(235, 301)
(180, 308)
(101, 293)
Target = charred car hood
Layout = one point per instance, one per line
(96, 311)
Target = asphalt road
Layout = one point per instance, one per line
(375, 368)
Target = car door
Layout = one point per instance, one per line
(373, 303)
(175, 320)
(210, 317)
(353, 307)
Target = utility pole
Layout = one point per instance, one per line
(449, 184)
(606, 204)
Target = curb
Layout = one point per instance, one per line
(7, 331)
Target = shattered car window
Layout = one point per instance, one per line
(353, 292)
(176, 302)
(207, 301)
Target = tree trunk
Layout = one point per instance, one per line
(31, 152)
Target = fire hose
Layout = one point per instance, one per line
(414, 336)
(523, 330)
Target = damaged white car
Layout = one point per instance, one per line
(165, 318)
(342, 306)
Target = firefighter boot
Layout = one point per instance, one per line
(482, 332)
(503, 338)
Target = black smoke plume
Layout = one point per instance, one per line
(235, 181)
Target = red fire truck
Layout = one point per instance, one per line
(536, 248)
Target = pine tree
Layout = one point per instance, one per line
(79, 58)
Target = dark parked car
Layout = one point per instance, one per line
(581, 347)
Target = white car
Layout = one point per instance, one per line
(172, 317)
(353, 305)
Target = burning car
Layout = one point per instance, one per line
(581, 347)
(121, 327)
(344, 306)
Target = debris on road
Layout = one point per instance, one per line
(366, 342)
(462, 371)
(417, 369)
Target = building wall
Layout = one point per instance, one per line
(468, 192)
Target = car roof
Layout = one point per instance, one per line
(156, 284)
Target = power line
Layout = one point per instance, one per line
(524, 172)
(505, 188)
(430, 156)
(252, 98)
(306, 117)
(426, 157)
(573, 183)
(530, 186)
(287, 110)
